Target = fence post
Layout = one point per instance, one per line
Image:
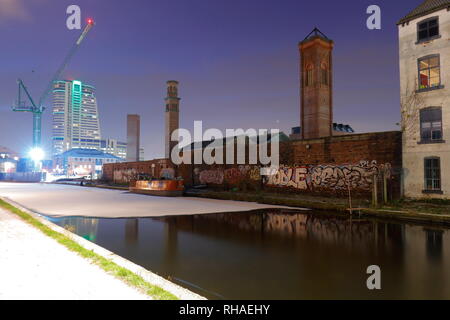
(375, 191)
(349, 196)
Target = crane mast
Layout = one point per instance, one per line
(38, 109)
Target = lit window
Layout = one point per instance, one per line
(429, 72)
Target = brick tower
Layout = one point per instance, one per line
(316, 85)
(133, 137)
(172, 114)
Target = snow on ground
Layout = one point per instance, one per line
(34, 266)
(66, 200)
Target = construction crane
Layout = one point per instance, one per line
(38, 109)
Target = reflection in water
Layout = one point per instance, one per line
(281, 254)
(170, 247)
(132, 230)
(84, 227)
(434, 244)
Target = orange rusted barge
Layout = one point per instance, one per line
(165, 188)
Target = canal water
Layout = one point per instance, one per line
(280, 254)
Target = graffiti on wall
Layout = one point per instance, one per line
(290, 177)
(214, 176)
(232, 175)
(309, 178)
(336, 177)
(125, 175)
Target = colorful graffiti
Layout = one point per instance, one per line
(290, 177)
(312, 178)
(254, 173)
(214, 176)
(125, 175)
(335, 177)
(232, 176)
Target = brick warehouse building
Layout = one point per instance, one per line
(318, 160)
(322, 166)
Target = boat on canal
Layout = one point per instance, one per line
(162, 187)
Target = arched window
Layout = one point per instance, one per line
(309, 75)
(324, 76)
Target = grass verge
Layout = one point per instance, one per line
(400, 211)
(272, 200)
(109, 266)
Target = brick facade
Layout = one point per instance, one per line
(171, 115)
(124, 172)
(325, 166)
(316, 86)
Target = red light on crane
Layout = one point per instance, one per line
(90, 21)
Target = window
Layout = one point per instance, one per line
(431, 124)
(428, 29)
(324, 74)
(432, 174)
(429, 72)
(309, 76)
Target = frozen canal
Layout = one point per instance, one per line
(66, 200)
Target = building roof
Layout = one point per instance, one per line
(281, 138)
(339, 127)
(426, 7)
(342, 128)
(3, 160)
(88, 153)
(316, 33)
(8, 151)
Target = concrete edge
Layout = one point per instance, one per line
(150, 277)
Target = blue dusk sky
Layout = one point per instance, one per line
(237, 62)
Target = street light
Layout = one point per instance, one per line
(36, 154)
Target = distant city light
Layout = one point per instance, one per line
(36, 154)
(9, 166)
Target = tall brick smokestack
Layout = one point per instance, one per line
(172, 114)
(133, 137)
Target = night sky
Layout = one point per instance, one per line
(237, 62)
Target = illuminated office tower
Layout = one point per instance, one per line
(75, 117)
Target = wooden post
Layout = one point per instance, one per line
(385, 192)
(375, 191)
(349, 196)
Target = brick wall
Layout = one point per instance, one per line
(124, 172)
(380, 146)
(325, 166)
